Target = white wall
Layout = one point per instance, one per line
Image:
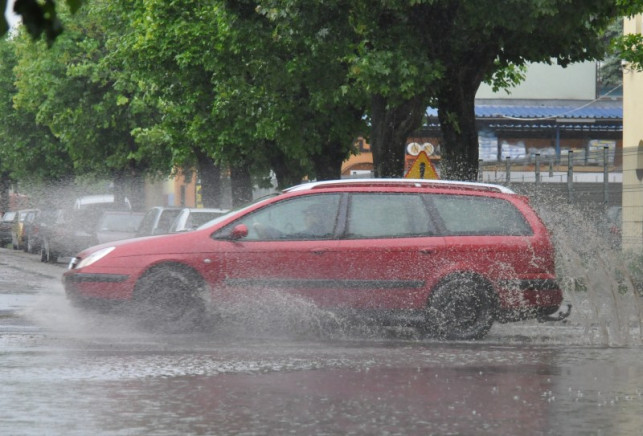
(548, 82)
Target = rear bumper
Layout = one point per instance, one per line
(531, 293)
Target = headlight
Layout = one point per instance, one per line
(94, 257)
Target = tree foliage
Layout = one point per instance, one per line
(136, 88)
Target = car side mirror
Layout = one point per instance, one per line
(239, 231)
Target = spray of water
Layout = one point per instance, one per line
(596, 276)
(598, 279)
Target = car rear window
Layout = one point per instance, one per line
(8, 216)
(469, 215)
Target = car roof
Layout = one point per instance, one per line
(204, 210)
(400, 183)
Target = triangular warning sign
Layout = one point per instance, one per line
(422, 168)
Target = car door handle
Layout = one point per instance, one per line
(427, 250)
(318, 251)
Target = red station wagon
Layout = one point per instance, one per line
(449, 258)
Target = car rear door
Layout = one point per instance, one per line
(277, 256)
(388, 254)
(491, 236)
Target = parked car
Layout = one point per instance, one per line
(192, 218)
(34, 229)
(101, 201)
(6, 226)
(17, 231)
(115, 225)
(72, 231)
(449, 258)
(157, 221)
(47, 223)
(29, 228)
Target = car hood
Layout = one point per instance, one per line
(153, 245)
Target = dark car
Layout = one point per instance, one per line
(44, 219)
(18, 230)
(6, 227)
(73, 230)
(449, 258)
(157, 221)
(30, 231)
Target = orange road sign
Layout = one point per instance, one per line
(422, 168)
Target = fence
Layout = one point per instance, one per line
(578, 174)
(591, 182)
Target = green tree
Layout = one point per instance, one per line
(467, 42)
(409, 54)
(239, 94)
(82, 93)
(29, 152)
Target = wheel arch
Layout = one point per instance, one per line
(467, 275)
(172, 266)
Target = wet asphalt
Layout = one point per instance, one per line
(64, 371)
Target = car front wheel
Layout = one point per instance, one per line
(170, 299)
(461, 308)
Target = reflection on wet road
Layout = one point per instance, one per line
(66, 372)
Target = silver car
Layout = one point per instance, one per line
(191, 218)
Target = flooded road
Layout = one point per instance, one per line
(66, 372)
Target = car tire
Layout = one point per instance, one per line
(46, 254)
(171, 299)
(30, 246)
(461, 308)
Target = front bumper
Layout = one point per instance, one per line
(115, 287)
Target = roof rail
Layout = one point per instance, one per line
(418, 183)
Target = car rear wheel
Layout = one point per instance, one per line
(170, 299)
(461, 308)
(30, 246)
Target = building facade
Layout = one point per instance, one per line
(633, 149)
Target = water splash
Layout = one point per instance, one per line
(596, 276)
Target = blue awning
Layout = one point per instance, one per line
(549, 112)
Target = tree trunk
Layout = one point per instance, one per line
(456, 112)
(5, 184)
(127, 185)
(210, 177)
(288, 171)
(391, 126)
(328, 164)
(241, 185)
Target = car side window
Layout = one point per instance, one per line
(387, 216)
(469, 215)
(301, 218)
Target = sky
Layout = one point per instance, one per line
(11, 17)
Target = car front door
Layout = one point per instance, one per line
(283, 252)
